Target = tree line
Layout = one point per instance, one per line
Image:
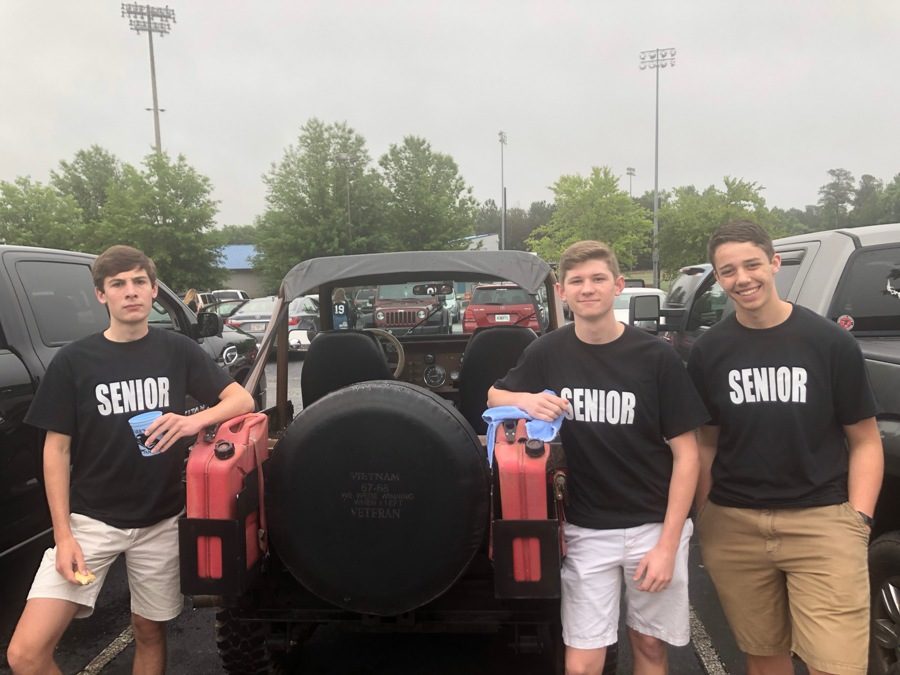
(326, 196)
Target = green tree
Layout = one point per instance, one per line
(890, 206)
(487, 218)
(868, 202)
(308, 213)
(593, 207)
(32, 214)
(88, 179)
(687, 220)
(836, 197)
(167, 211)
(430, 206)
(234, 234)
(520, 224)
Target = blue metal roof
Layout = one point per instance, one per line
(237, 256)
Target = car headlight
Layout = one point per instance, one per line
(379, 315)
(229, 355)
(420, 314)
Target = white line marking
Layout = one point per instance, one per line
(703, 647)
(112, 650)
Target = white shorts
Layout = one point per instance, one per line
(151, 558)
(592, 573)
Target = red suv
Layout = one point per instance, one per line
(501, 305)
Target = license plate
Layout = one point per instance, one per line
(501, 318)
(254, 327)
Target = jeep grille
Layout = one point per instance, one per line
(400, 317)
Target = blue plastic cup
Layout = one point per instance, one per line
(139, 424)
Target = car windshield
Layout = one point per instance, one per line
(501, 296)
(258, 306)
(400, 291)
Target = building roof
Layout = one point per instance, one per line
(238, 256)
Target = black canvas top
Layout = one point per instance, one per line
(525, 269)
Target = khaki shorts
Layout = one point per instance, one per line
(151, 558)
(596, 564)
(792, 579)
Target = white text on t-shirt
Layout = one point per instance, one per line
(132, 395)
(599, 405)
(770, 384)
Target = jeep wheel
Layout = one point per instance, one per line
(242, 645)
(378, 497)
(884, 581)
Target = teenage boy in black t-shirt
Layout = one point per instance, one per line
(792, 465)
(631, 412)
(123, 492)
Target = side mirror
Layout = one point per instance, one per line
(643, 311)
(208, 325)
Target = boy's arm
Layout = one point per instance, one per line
(707, 443)
(657, 566)
(234, 400)
(866, 464)
(541, 406)
(57, 459)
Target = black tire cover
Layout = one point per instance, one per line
(378, 497)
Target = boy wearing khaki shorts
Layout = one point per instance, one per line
(113, 405)
(631, 412)
(791, 469)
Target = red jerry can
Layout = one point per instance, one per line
(522, 467)
(219, 473)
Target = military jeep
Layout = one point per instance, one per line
(379, 506)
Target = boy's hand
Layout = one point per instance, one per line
(543, 406)
(655, 569)
(70, 559)
(168, 428)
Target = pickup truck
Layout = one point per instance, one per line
(46, 301)
(851, 276)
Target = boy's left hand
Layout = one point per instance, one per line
(655, 569)
(169, 428)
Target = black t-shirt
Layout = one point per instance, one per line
(92, 388)
(780, 396)
(627, 397)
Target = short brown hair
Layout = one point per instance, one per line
(739, 231)
(582, 251)
(120, 258)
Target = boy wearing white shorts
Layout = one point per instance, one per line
(631, 412)
(114, 484)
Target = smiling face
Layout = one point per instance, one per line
(590, 288)
(128, 296)
(747, 275)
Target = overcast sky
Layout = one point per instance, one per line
(766, 90)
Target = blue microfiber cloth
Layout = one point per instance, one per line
(539, 429)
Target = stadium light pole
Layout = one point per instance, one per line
(656, 59)
(502, 135)
(153, 20)
(630, 173)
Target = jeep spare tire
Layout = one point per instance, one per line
(378, 497)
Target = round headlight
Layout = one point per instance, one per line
(379, 315)
(420, 314)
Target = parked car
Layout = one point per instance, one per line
(383, 510)
(404, 308)
(502, 305)
(224, 308)
(622, 301)
(230, 294)
(303, 318)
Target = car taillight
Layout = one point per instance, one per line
(293, 320)
(232, 324)
(469, 321)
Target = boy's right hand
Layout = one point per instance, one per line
(544, 406)
(70, 559)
